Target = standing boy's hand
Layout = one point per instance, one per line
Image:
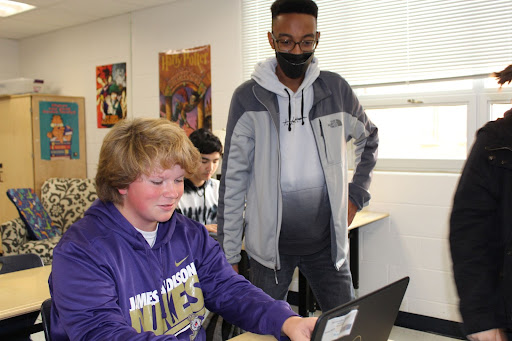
(299, 328)
(352, 210)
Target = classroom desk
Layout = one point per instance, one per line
(23, 292)
(362, 218)
(247, 336)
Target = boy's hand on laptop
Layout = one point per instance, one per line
(299, 328)
(488, 335)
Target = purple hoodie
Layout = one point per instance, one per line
(107, 283)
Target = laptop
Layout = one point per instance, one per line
(368, 318)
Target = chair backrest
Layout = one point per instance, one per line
(66, 199)
(24, 261)
(46, 309)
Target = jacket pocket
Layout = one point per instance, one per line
(331, 133)
(500, 157)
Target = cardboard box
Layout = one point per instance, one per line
(21, 86)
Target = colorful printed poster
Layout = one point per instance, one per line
(58, 125)
(110, 94)
(185, 87)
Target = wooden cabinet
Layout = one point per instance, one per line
(41, 136)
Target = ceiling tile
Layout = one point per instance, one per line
(94, 8)
(16, 29)
(51, 15)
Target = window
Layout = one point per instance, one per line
(382, 42)
(498, 109)
(417, 66)
(423, 129)
(422, 132)
(498, 99)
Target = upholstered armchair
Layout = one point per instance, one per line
(65, 200)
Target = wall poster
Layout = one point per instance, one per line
(185, 87)
(110, 94)
(58, 124)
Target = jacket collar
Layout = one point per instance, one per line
(320, 89)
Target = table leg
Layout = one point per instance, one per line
(307, 302)
(353, 236)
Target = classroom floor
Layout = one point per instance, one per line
(404, 334)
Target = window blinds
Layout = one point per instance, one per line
(396, 41)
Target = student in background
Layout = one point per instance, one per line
(131, 269)
(201, 197)
(481, 231)
(286, 154)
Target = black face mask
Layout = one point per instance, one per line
(294, 65)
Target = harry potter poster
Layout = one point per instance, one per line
(110, 94)
(185, 87)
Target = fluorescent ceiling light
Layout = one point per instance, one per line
(8, 8)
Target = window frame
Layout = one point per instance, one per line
(462, 97)
(493, 96)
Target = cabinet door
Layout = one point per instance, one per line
(16, 154)
(59, 138)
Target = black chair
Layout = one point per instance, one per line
(19, 328)
(46, 309)
(25, 261)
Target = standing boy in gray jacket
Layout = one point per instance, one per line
(285, 164)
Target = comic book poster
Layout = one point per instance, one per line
(110, 94)
(185, 87)
(58, 124)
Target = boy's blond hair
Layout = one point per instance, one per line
(140, 146)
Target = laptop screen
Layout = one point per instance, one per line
(368, 318)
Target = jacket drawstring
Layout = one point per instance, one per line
(289, 111)
(302, 107)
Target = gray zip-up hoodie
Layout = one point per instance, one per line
(252, 182)
(306, 212)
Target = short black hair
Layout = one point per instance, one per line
(205, 141)
(294, 6)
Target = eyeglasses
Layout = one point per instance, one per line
(287, 45)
